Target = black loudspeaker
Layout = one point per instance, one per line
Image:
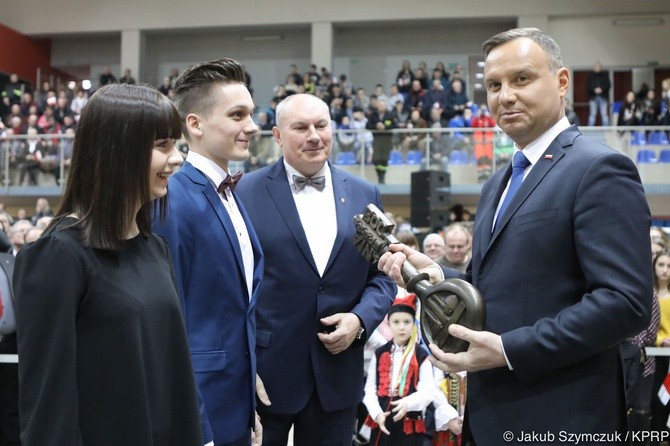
(430, 198)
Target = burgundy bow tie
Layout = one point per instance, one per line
(229, 183)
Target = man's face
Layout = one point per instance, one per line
(458, 246)
(525, 97)
(304, 134)
(223, 133)
(434, 247)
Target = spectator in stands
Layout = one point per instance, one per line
(106, 77)
(361, 100)
(62, 109)
(458, 243)
(28, 104)
(30, 156)
(436, 97)
(165, 86)
(42, 94)
(415, 99)
(651, 109)
(127, 77)
(42, 209)
(308, 85)
(661, 264)
(665, 102)
(440, 146)
(444, 82)
(630, 112)
(414, 140)
(421, 75)
(13, 91)
(435, 247)
(381, 122)
(394, 97)
(345, 137)
(364, 139)
(380, 94)
(32, 235)
(294, 74)
(598, 89)
(78, 102)
(457, 100)
(17, 234)
(436, 116)
(313, 74)
(405, 77)
(458, 75)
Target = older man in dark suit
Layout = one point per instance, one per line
(321, 299)
(561, 256)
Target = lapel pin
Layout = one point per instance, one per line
(548, 157)
(342, 200)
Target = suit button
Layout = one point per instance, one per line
(321, 289)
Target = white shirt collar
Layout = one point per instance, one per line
(205, 165)
(535, 149)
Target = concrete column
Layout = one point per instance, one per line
(534, 21)
(322, 44)
(133, 43)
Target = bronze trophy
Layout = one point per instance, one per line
(449, 302)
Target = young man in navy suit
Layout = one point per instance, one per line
(320, 298)
(217, 256)
(560, 254)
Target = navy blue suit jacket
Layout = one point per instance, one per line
(219, 317)
(291, 359)
(566, 276)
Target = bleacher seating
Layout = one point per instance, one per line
(346, 158)
(646, 156)
(395, 158)
(414, 157)
(638, 138)
(658, 138)
(459, 157)
(664, 156)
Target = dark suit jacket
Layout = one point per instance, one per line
(291, 359)
(219, 317)
(566, 277)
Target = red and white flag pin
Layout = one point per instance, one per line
(549, 157)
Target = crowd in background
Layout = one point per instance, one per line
(420, 98)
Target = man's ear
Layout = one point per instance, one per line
(194, 124)
(277, 135)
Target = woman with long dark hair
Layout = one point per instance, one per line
(103, 348)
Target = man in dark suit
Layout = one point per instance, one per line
(320, 298)
(564, 270)
(217, 256)
(9, 371)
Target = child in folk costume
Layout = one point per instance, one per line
(449, 401)
(400, 382)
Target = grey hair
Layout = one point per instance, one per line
(279, 112)
(545, 41)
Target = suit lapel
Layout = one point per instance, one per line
(280, 192)
(547, 161)
(342, 196)
(209, 193)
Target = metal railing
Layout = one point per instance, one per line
(471, 155)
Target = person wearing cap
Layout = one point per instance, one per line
(399, 382)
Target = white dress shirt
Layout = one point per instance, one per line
(317, 215)
(533, 152)
(216, 174)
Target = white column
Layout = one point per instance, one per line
(534, 21)
(133, 45)
(322, 44)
